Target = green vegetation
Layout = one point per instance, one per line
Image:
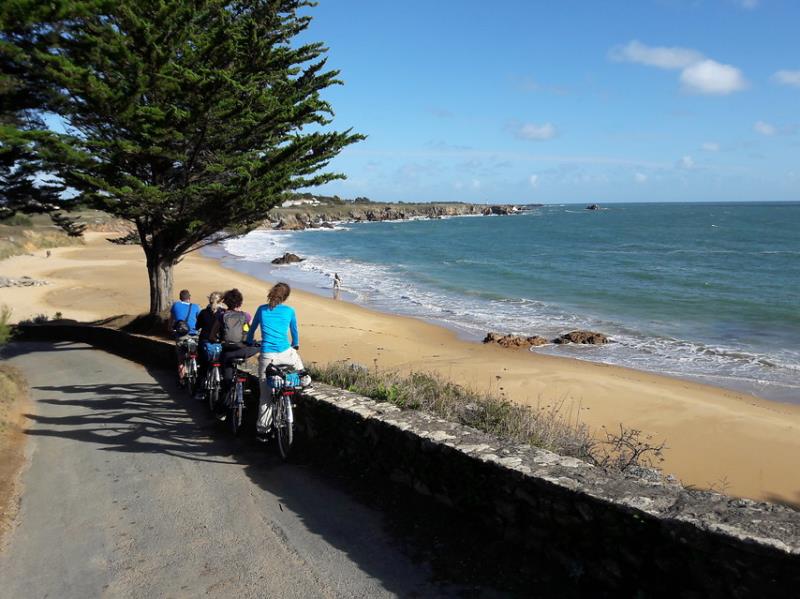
(12, 389)
(194, 117)
(543, 426)
(23, 234)
(5, 328)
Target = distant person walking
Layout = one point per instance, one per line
(337, 285)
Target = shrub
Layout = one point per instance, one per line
(5, 328)
(539, 426)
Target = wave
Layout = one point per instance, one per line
(389, 288)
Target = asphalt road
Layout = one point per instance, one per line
(133, 491)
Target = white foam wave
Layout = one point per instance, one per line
(387, 288)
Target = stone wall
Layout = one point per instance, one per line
(605, 534)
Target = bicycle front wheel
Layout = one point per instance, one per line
(284, 425)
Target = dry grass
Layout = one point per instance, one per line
(12, 389)
(15, 241)
(543, 426)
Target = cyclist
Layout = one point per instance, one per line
(276, 319)
(205, 322)
(183, 323)
(230, 328)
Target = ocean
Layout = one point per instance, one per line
(707, 292)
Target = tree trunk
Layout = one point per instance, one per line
(160, 274)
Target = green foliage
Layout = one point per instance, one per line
(5, 328)
(187, 118)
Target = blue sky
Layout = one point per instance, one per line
(570, 101)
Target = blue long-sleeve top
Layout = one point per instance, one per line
(274, 324)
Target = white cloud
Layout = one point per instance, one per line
(476, 184)
(711, 77)
(710, 146)
(699, 74)
(640, 177)
(748, 4)
(764, 128)
(535, 132)
(787, 78)
(534, 180)
(661, 57)
(687, 163)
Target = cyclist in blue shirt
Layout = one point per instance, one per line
(275, 319)
(183, 323)
(184, 311)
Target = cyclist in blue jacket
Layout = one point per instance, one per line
(182, 324)
(275, 319)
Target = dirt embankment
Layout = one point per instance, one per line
(14, 402)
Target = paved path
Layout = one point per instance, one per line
(133, 491)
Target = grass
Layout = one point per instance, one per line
(15, 241)
(12, 389)
(542, 426)
(5, 328)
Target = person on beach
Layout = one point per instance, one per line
(205, 322)
(183, 323)
(275, 319)
(337, 285)
(230, 329)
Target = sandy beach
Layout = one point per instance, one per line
(717, 438)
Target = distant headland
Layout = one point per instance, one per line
(308, 211)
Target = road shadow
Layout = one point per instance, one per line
(463, 558)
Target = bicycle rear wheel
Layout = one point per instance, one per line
(191, 376)
(284, 425)
(236, 409)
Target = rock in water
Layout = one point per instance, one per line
(585, 337)
(514, 340)
(288, 258)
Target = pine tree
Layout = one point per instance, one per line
(189, 118)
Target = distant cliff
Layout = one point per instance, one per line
(326, 215)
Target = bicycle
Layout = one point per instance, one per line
(187, 371)
(213, 381)
(234, 398)
(285, 383)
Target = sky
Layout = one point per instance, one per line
(570, 101)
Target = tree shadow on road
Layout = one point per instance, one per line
(159, 417)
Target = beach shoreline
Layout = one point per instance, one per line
(731, 441)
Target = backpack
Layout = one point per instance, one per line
(233, 327)
(181, 327)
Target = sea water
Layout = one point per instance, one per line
(701, 291)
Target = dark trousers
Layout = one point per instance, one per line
(229, 355)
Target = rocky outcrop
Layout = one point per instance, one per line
(288, 258)
(323, 216)
(584, 337)
(21, 282)
(517, 341)
(593, 207)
